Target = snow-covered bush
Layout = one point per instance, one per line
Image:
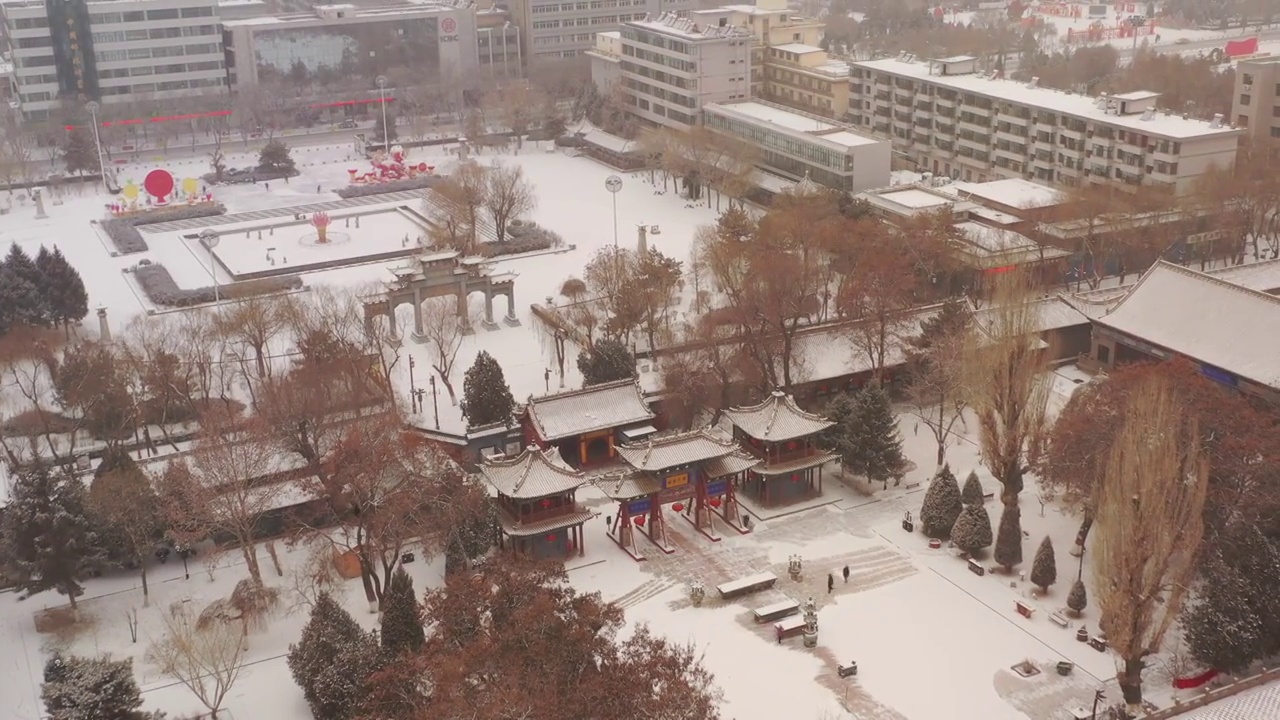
(423, 181)
(124, 231)
(162, 290)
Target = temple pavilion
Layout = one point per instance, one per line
(785, 440)
(537, 512)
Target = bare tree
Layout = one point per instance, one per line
(507, 196)
(207, 660)
(216, 493)
(936, 378)
(456, 213)
(444, 330)
(1149, 528)
(1007, 386)
(254, 323)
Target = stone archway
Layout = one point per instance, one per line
(443, 274)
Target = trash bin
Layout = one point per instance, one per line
(1065, 668)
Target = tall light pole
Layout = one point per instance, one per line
(209, 239)
(613, 184)
(92, 106)
(382, 96)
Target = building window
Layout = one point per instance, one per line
(1243, 121)
(1244, 99)
(169, 14)
(1248, 79)
(1275, 132)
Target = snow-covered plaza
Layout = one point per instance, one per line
(931, 638)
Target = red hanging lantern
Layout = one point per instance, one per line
(546, 502)
(715, 502)
(678, 507)
(640, 521)
(795, 477)
(551, 538)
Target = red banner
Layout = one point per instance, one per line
(1196, 680)
(1236, 48)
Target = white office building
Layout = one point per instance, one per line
(945, 117)
(561, 29)
(113, 51)
(797, 145)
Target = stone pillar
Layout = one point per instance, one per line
(642, 244)
(464, 318)
(488, 310)
(104, 328)
(511, 319)
(417, 313)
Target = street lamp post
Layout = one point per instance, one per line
(435, 405)
(209, 239)
(613, 184)
(413, 388)
(92, 106)
(1097, 696)
(382, 97)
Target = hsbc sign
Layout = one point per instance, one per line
(448, 30)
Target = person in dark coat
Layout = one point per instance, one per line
(846, 574)
(831, 583)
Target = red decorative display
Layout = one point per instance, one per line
(545, 502)
(551, 538)
(640, 521)
(715, 502)
(159, 183)
(678, 507)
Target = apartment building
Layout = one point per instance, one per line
(672, 67)
(803, 77)
(559, 29)
(113, 51)
(944, 117)
(797, 145)
(1255, 105)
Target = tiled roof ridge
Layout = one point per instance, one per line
(1188, 272)
(612, 384)
(527, 458)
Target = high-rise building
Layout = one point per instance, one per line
(68, 52)
(1255, 104)
(945, 117)
(558, 29)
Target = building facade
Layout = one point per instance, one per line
(801, 76)
(672, 67)
(564, 29)
(946, 118)
(798, 145)
(114, 52)
(1255, 104)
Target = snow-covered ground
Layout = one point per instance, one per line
(930, 637)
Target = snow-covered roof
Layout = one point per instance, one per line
(1205, 318)
(1052, 313)
(780, 116)
(914, 198)
(628, 485)
(675, 450)
(798, 48)
(599, 407)
(984, 246)
(1259, 702)
(1263, 276)
(609, 141)
(532, 474)
(730, 464)
(1076, 105)
(776, 419)
(1012, 192)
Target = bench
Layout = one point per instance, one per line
(845, 670)
(776, 611)
(746, 585)
(793, 625)
(1057, 619)
(976, 568)
(1024, 609)
(913, 485)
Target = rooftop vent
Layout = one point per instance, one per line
(1217, 121)
(1149, 114)
(1035, 82)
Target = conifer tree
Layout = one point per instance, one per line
(871, 445)
(1235, 618)
(1044, 568)
(972, 531)
(333, 660)
(28, 298)
(401, 617)
(941, 504)
(77, 688)
(63, 288)
(486, 398)
(1078, 598)
(607, 360)
(49, 542)
(838, 410)
(79, 153)
(275, 157)
(972, 493)
(1009, 538)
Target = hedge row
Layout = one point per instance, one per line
(522, 237)
(161, 288)
(423, 181)
(124, 231)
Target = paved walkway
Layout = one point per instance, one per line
(270, 214)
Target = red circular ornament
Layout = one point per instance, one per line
(715, 502)
(159, 183)
(640, 521)
(551, 538)
(546, 502)
(448, 26)
(677, 506)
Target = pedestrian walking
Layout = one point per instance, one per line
(778, 630)
(831, 583)
(846, 574)
(317, 189)
(266, 186)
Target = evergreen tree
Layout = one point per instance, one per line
(275, 157)
(17, 298)
(401, 617)
(606, 361)
(486, 398)
(63, 287)
(838, 411)
(1235, 618)
(871, 445)
(972, 531)
(951, 321)
(79, 152)
(333, 660)
(941, 504)
(1044, 569)
(376, 135)
(100, 688)
(49, 541)
(1009, 538)
(1077, 599)
(29, 298)
(972, 492)
(126, 510)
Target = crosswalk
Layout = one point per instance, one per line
(203, 222)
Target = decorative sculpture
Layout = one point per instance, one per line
(697, 593)
(794, 567)
(320, 221)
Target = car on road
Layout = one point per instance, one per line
(347, 124)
